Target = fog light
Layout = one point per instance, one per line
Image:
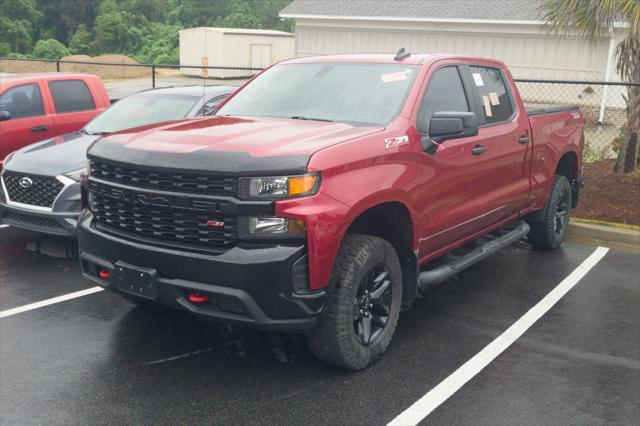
(275, 226)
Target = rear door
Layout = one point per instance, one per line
(30, 120)
(505, 135)
(73, 103)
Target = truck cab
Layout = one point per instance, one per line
(34, 107)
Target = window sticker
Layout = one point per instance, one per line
(478, 79)
(493, 97)
(394, 76)
(487, 106)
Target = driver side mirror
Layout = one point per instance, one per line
(5, 115)
(445, 125)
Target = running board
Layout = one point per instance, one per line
(428, 279)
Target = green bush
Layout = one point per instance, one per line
(49, 49)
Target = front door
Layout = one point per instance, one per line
(28, 122)
(473, 182)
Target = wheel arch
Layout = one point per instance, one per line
(568, 166)
(393, 222)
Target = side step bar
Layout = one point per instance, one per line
(433, 277)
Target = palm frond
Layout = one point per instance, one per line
(591, 19)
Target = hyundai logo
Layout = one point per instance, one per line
(25, 182)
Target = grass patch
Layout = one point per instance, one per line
(605, 223)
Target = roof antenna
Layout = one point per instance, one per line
(205, 73)
(402, 54)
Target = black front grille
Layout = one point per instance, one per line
(32, 221)
(42, 191)
(194, 183)
(173, 225)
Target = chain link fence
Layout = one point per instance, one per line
(602, 103)
(122, 79)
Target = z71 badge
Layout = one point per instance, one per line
(393, 142)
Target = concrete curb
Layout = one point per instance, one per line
(604, 233)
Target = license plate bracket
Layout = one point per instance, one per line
(136, 280)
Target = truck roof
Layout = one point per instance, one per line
(385, 58)
(6, 77)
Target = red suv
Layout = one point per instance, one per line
(39, 106)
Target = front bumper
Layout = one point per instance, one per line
(50, 223)
(258, 287)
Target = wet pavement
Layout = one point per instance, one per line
(98, 359)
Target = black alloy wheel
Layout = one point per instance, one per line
(372, 305)
(562, 214)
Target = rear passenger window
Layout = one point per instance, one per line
(71, 95)
(22, 101)
(444, 93)
(494, 97)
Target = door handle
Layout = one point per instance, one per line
(42, 128)
(524, 139)
(478, 149)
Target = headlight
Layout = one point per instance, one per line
(273, 226)
(278, 187)
(75, 175)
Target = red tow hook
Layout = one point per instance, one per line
(104, 274)
(198, 298)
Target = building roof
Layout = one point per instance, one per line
(418, 10)
(244, 31)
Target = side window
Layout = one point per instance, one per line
(444, 93)
(494, 97)
(211, 105)
(71, 95)
(22, 101)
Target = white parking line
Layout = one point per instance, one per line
(4, 226)
(47, 302)
(439, 394)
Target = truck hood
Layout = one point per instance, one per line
(227, 144)
(52, 157)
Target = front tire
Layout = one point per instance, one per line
(550, 232)
(363, 304)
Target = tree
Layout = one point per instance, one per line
(61, 18)
(49, 49)
(80, 43)
(18, 20)
(593, 19)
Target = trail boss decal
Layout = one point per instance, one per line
(394, 142)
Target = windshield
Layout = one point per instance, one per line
(141, 109)
(365, 94)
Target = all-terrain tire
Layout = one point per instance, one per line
(549, 233)
(334, 338)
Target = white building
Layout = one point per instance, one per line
(508, 30)
(232, 48)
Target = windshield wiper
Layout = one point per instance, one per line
(301, 117)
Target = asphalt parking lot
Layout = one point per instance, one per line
(97, 359)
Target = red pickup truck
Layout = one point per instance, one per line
(34, 107)
(322, 197)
